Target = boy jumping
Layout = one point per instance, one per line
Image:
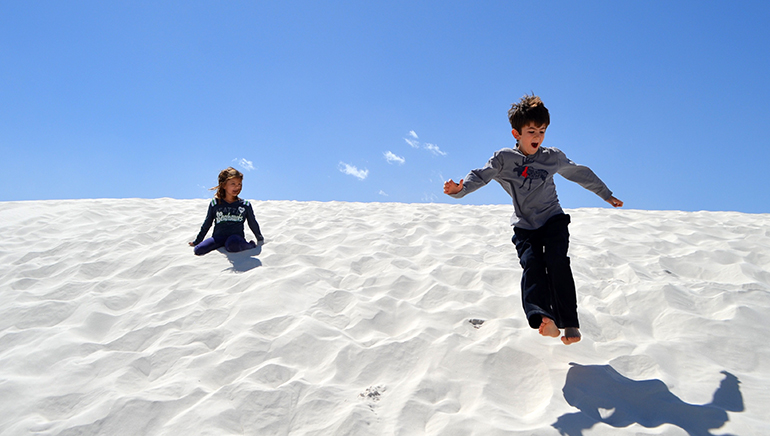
(539, 223)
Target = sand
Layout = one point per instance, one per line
(376, 319)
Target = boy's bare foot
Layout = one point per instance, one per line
(571, 335)
(548, 328)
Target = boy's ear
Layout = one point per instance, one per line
(516, 134)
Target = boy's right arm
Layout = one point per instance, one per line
(451, 188)
(476, 178)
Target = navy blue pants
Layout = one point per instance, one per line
(547, 286)
(233, 244)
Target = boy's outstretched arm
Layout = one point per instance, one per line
(614, 202)
(450, 187)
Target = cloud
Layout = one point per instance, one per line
(433, 148)
(383, 193)
(429, 197)
(245, 164)
(438, 174)
(414, 143)
(392, 158)
(353, 171)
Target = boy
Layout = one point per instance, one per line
(539, 223)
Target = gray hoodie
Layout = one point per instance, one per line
(529, 182)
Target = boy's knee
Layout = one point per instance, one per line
(530, 260)
(557, 263)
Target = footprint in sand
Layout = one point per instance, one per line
(476, 323)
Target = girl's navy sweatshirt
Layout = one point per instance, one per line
(228, 219)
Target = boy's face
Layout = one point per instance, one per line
(530, 138)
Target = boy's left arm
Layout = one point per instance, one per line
(614, 202)
(585, 177)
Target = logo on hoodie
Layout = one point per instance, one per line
(230, 214)
(529, 173)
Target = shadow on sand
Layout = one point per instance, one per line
(603, 395)
(244, 260)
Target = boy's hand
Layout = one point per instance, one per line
(450, 187)
(615, 202)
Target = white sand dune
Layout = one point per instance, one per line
(354, 319)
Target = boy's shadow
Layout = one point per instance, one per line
(243, 261)
(603, 395)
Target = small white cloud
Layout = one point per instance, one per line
(428, 197)
(413, 134)
(205, 192)
(436, 174)
(353, 171)
(412, 143)
(433, 148)
(383, 193)
(393, 158)
(245, 164)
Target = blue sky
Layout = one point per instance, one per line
(668, 102)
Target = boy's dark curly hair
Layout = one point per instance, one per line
(529, 109)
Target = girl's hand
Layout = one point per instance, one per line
(615, 202)
(192, 244)
(450, 187)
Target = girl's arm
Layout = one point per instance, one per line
(253, 224)
(206, 225)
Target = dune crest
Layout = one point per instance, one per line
(374, 319)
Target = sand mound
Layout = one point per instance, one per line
(375, 319)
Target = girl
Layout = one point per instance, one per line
(228, 212)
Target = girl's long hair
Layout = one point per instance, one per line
(224, 176)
